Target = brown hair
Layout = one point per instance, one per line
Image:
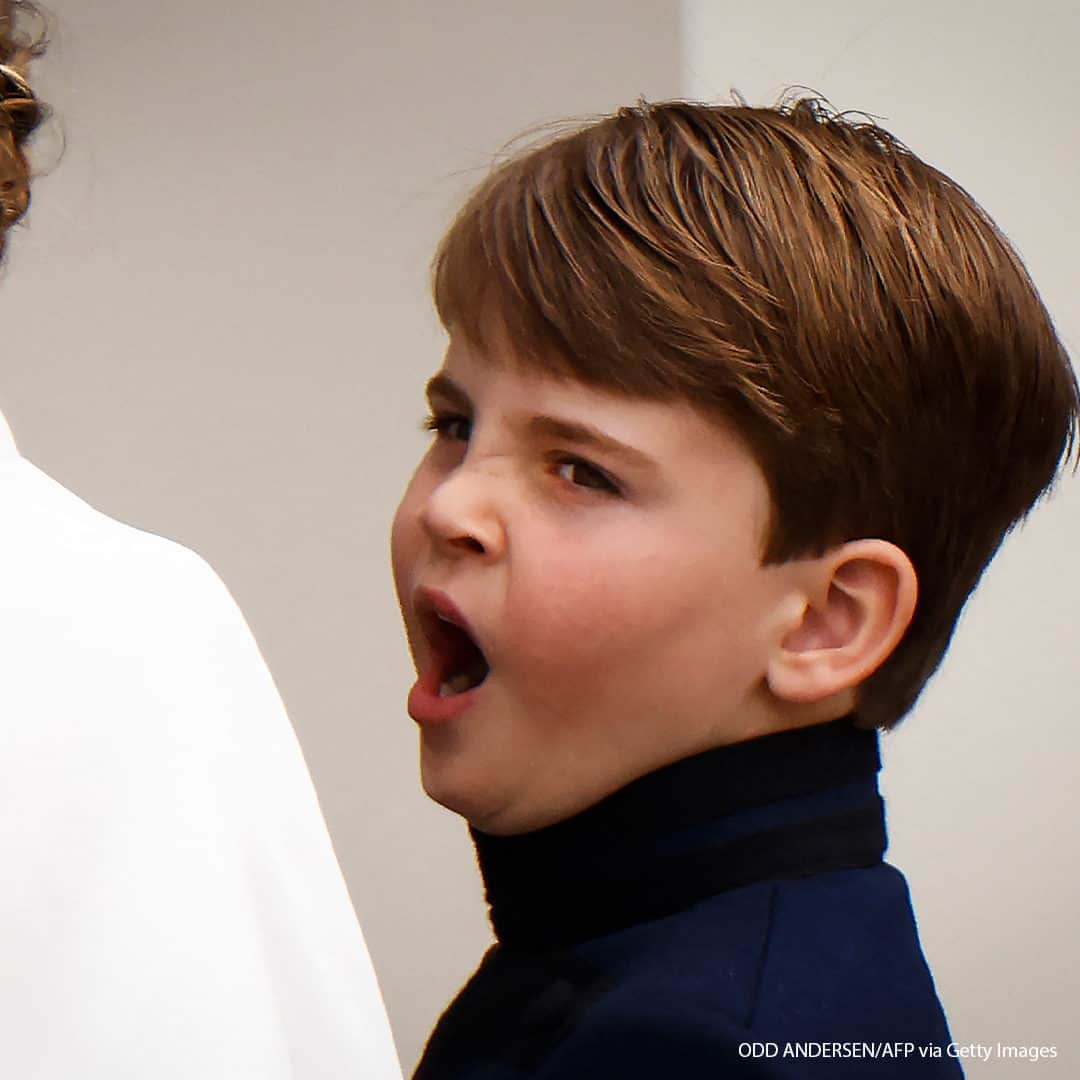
(20, 111)
(803, 276)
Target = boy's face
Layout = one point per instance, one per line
(618, 596)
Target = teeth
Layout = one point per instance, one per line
(455, 685)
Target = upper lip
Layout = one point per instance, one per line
(429, 602)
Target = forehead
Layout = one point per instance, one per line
(488, 375)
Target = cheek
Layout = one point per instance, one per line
(575, 614)
(406, 536)
(610, 625)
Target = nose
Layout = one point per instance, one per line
(461, 514)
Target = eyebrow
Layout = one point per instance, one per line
(542, 424)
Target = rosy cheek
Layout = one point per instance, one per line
(566, 631)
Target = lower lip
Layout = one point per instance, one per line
(426, 707)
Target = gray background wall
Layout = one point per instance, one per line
(217, 328)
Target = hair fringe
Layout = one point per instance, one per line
(800, 274)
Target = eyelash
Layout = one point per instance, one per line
(441, 424)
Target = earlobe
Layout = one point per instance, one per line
(856, 603)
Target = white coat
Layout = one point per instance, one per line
(170, 904)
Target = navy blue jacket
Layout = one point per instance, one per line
(728, 916)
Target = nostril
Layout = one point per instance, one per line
(471, 543)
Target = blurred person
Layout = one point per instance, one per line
(172, 907)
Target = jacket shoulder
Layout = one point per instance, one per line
(61, 557)
(830, 960)
(93, 610)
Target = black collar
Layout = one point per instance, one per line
(687, 831)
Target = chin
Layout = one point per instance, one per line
(441, 786)
(436, 789)
(479, 811)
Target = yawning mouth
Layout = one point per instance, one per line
(458, 662)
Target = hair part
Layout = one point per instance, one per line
(800, 275)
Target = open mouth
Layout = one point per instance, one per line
(458, 661)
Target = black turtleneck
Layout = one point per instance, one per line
(685, 832)
(673, 885)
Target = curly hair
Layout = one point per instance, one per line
(22, 39)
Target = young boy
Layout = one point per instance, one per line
(737, 406)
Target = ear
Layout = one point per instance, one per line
(854, 604)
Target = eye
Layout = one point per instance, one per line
(448, 426)
(581, 473)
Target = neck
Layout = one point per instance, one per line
(783, 805)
